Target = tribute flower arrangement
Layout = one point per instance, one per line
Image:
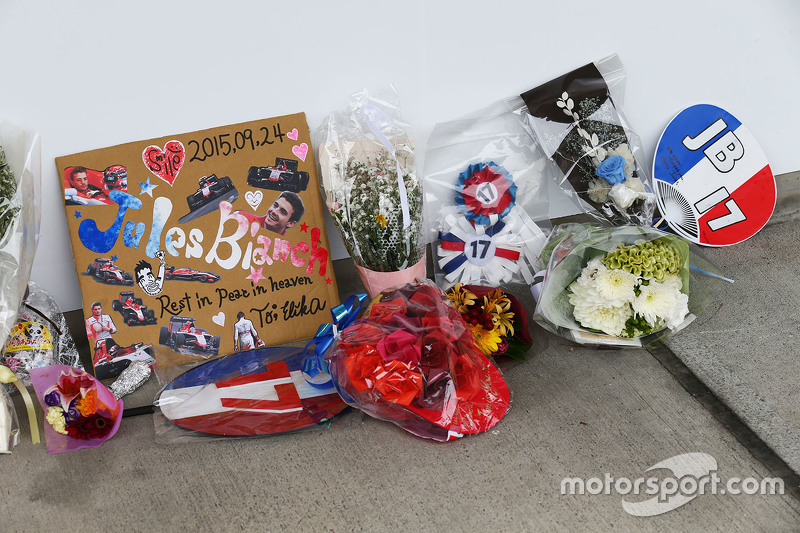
(372, 191)
(616, 285)
(412, 360)
(79, 410)
(497, 321)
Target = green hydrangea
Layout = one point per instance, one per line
(649, 260)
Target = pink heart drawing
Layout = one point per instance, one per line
(165, 163)
(300, 151)
(293, 134)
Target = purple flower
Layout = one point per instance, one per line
(72, 414)
(53, 399)
(612, 169)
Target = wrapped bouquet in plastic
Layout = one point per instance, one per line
(412, 360)
(369, 182)
(80, 412)
(496, 319)
(578, 120)
(20, 214)
(487, 197)
(623, 286)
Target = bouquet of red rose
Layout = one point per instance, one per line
(412, 360)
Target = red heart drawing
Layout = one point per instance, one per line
(300, 151)
(165, 163)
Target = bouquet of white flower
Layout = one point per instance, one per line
(372, 191)
(625, 286)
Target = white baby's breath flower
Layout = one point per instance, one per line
(616, 285)
(661, 302)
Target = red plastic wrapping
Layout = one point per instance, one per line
(411, 360)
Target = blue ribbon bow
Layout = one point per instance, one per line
(343, 315)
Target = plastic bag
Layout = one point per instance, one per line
(9, 425)
(20, 215)
(257, 392)
(411, 360)
(40, 336)
(621, 286)
(486, 197)
(369, 182)
(578, 120)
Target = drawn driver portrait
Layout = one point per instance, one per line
(284, 213)
(150, 282)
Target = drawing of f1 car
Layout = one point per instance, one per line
(211, 191)
(132, 311)
(104, 270)
(284, 176)
(182, 336)
(189, 274)
(110, 359)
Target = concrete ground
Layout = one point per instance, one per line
(576, 413)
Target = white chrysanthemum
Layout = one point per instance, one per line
(593, 312)
(616, 285)
(674, 281)
(598, 191)
(659, 302)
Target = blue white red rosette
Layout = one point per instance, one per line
(469, 252)
(486, 193)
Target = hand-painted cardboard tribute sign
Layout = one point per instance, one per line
(199, 244)
(713, 182)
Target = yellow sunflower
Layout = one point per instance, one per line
(497, 305)
(461, 298)
(486, 341)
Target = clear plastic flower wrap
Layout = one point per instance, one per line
(621, 286)
(370, 185)
(578, 120)
(486, 196)
(411, 360)
(40, 336)
(20, 215)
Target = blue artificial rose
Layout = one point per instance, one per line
(612, 169)
(53, 399)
